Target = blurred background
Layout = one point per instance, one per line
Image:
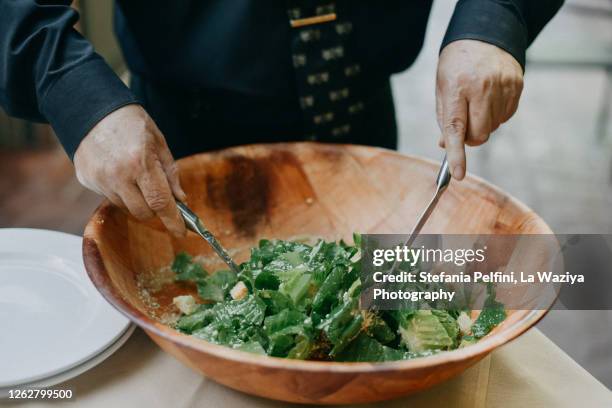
(555, 154)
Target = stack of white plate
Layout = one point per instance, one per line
(54, 324)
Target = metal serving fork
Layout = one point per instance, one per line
(194, 224)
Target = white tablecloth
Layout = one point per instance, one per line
(529, 372)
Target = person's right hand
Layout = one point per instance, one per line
(125, 158)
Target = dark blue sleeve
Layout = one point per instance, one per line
(50, 73)
(509, 24)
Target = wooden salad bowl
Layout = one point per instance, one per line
(295, 190)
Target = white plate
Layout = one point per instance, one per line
(52, 318)
(74, 371)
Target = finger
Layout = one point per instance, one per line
(155, 189)
(512, 93)
(171, 169)
(135, 203)
(497, 111)
(168, 164)
(455, 118)
(439, 115)
(439, 109)
(479, 122)
(511, 105)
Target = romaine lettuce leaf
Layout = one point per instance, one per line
(196, 320)
(365, 348)
(492, 314)
(187, 270)
(249, 311)
(327, 294)
(296, 287)
(342, 324)
(377, 328)
(252, 347)
(266, 280)
(423, 331)
(302, 349)
(285, 318)
(216, 286)
(282, 330)
(450, 324)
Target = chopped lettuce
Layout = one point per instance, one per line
(217, 286)
(251, 347)
(187, 270)
(196, 320)
(302, 302)
(275, 301)
(296, 287)
(365, 348)
(467, 341)
(233, 322)
(376, 327)
(342, 324)
(424, 331)
(282, 330)
(492, 314)
(450, 324)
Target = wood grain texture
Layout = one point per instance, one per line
(292, 190)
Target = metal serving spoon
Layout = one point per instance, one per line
(442, 181)
(194, 224)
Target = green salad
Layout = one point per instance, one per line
(301, 301)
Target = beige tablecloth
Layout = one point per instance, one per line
(530, 372)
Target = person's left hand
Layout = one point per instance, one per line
(478, 88)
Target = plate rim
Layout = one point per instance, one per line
(82, 275)
(77, 370)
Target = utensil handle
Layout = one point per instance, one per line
(442, 181)
(191, 220)
(444, 176)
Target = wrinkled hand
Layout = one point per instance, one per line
(125, 158)
(478, 88)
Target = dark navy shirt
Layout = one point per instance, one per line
(50, 73)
